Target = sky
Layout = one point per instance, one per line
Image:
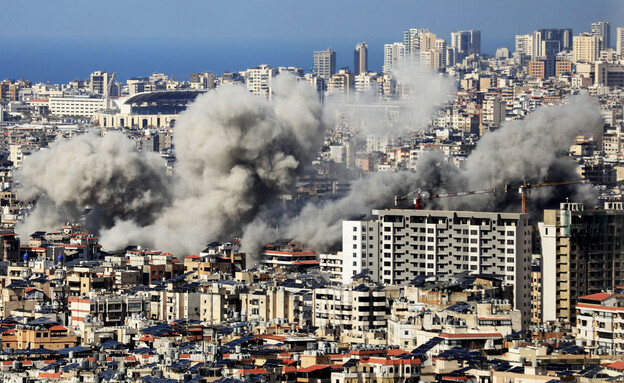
(59, 40)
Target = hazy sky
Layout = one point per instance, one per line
(62, 39)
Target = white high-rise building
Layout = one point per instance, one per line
(325, 63)
(466, 43)
(586, 48)
(620, 41)
(399, 244)
(258, 79)
(524, 44)
(367, 83)
(412, 39)
(394, 54)
(100, 82)
(602, 29)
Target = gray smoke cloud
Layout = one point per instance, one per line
(420, 93)
(106, 174)
(320, 225)
(236, 153)
(535, 148)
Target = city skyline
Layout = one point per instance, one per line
(67, 39)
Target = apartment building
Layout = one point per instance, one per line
(586, 48)
(76, 106)
(110, 310)
(331, 264)
(599, 319)
(398, 245)
(287, 254)
(50, 336)
(582, 254)
(358, 308)
(259, 79)
(274, 303)
(325, 63)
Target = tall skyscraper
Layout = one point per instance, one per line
(620, 41)
(524, 44)
(541, 36)
(466, 43)
(325, 63)
(395, 53)
(602, 29)
(360, 59)
(586, 48)
(100, 82)
(411, 39)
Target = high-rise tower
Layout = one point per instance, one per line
(360, 59)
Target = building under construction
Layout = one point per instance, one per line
(582, 254)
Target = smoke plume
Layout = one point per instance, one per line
(106, 174)
(417, 93)
(236, 152)
(535, 148)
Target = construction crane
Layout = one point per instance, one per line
(108, 90)
(418, 201)
(526, 187)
